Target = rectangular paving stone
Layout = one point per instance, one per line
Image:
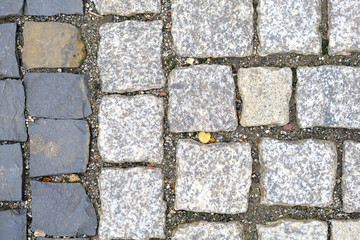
(127, 7)
(129, 56)
(11, 7)
(265, 93)
(297, 173)
(289, 26)
(213, 178)
(345, 230)
(328, 96)
(212, 28)
(13, 224)
(132, 203)
(53, 7)
(57, 95)
(8, 61)
(131, 129)
(202, 98)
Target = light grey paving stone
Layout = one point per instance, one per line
(131, 129)
(62, 209)
(57, 95)
(13, 224)
(297, 173)
(132, 203)
(294, 230)
(12, 104)
(11, 168)
(212, 28)
(265, 93)
(8, 61)
(202, 98)
(289, 26)
(129, 56)
(213, 178)
(11, 7)
(209, 231)
(345, 230)
(58, 146)
(53, 7)
(328, 96)
(127, 7)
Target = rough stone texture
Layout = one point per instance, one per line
(127, 7)
(11, 168)
(57, 95)
(52, 45)
(13, 224)
(12, 104)
(294, 230)
(213, 178)
(209, 230)
(129, 56)
(132, 203)
(131, 129)
(345, 230)
(61, 238)
(11, 7)
(202, 98)
(265, 93)
(344, 31)
(8, 61)
(212, 28)
(58, 146)
(53, 7)
(328, 96)
(62, 209)
(297, 173)
(289, 26)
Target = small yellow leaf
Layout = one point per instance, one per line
(190, 61)
(204, 137)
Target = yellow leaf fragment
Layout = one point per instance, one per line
(204, 137)
(190, 61)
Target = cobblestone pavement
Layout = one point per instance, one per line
(102, 103)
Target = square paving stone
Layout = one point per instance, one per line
(132, 203)
(11, 7)
(297, 173)
(266, 94)
(289, 26)
(127, 7)
(62, 209)
(345, 230)
(202, 98)
(12, 107)
(213, 178)
(129, 56)
(328, 96)
(58, 146)
(13, 224)
(11, 168)
(212, 28)
(8, 62)
(53, 7)
(57, 95)
(131, 129)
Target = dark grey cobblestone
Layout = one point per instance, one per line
(11, 7)
(52, 7)
(8, 61)
(13, 224)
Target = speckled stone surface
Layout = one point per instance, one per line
(328, 96)
(127, 7)
(52, 7)
(345, 230)
(209, 230)
(129, 56)
(13, 224)
(11, 7)
(8, 61)
(132, 203)
(294, 230)
(286, 26)
(265, 93)
(202, 98)
(297, 173)
(131, 129)
(212, 28)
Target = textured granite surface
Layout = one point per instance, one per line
(52, 7)
(8, 61)
(345, 230)
(127, 7)
(11, 7)
(13, 224)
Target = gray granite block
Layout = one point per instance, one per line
(297, 173)
(132, 203)
(127, 7)
(41, 238)
(62, 209)
(209, 230)
(57, 95)
(58, 146)
(202, 98)
(213, 178)
(131, 129)
(129, 56)
(11, 7)
(53, 7)
(289, 26)
(212, 28)
(13, 224)
(265, 93)
(345, 229)
(8, 61)
(328, 96)
(12, 104)
(294, 230)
